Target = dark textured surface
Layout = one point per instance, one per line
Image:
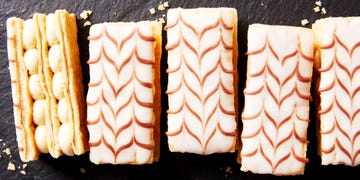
(171, 165)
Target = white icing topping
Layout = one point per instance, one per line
(31, 59)
(58, 85)
(40, 138)
(29, 34)
(39, 112)
(65, 137)
(35, 88)
(63, 110)
(196, 116)
(339, 84)
(275, 119)
(133, 72)
(51, 29)
(55, 59)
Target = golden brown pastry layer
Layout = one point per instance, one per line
(47, 89)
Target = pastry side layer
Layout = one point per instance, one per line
(202, 80)
(277, 94)
(123, 99)
(46, 81)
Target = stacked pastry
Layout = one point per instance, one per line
(338, 55)
(123, 100)
(46, 82)
(202, 80)
(276, 111)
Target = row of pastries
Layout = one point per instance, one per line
(118, 119)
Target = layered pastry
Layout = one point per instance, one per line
(337, 58)
(123, 99)
(202, 80)
(277, 94)
(46, 82)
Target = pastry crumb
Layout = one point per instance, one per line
(304, 22)
(162, 20)
(85, 14)
(318, 3)
(8, 151)
(82, 170)
(228, 169)
(0, 157)
(23, 172)
(317, 9)
(11, 166)
(161, 7)
(323, 10)
(24, 166)
(152, 11)
(87, 23)
(166, 4)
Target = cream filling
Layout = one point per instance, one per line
(55, 60)
(39, 112)
(51, 29)
(63, 110)
(57, 85)
(40, 138)
(31, 59)
(35, 88)
(65, 139)
(29, 34)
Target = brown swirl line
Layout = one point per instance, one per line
(335, 103)
(198, 34)
(336, 40)
(120, 45)
(352, 156)
(279, 102)
(337, 81)
(116, 92)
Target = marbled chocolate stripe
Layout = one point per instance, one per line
(279, 100)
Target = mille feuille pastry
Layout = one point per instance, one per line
(123, 100)
(337, 42)
(46, 81)
(202, 80)
(277, 94)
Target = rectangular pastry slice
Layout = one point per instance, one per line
(338, 62)
(202, 80)
(277, 94)
(123, 100)
(46, 81)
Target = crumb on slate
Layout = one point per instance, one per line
(323, 10)
(152, 11)
(318, 3)
(304, 22)
(82, 170)
(85, 14)
(87, 23)
(11, 166)
(317, 9)
(8, 151)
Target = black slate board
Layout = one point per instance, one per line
(171, 165)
